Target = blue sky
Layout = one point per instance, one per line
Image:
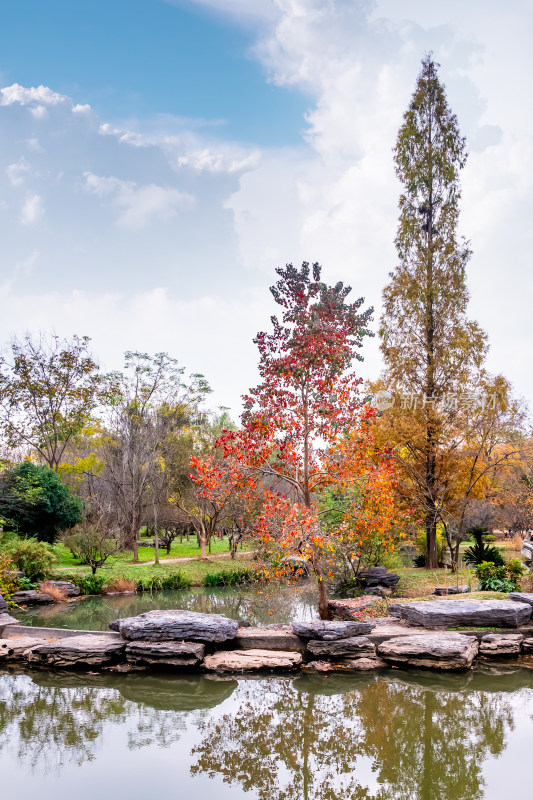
(159, 159)
(140, 58)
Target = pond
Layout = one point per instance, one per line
(255, 604)
(394, 736)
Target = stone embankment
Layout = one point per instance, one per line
(183, 640)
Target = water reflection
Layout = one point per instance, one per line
(257, 605)
(396, 736)
(295, 742)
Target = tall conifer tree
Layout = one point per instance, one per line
(432, 350)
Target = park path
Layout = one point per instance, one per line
(168, 561)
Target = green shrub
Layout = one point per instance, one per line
(158, 583)
(89, 584)
(25, 583)
(230, 577)
(34, 558)
(490, 537)
(499, 577)
(9, 584)
(176, 580)
(515, 569)
(419, 560)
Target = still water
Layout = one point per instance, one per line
(276, 603)
(394, 736)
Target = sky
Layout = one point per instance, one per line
(160, 158)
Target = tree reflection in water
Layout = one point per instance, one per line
(50, 720)
(397, 736)
(290, 740)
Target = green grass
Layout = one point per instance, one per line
(193, 571)
(470, 628)
(184, 550)
(418, 584)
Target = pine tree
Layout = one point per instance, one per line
(431, 349)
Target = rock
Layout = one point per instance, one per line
(165, 654)
(11, 649)
(5, 620)
(3, 605)
(454, 613)
(31, 597)
(377, 576)
(268, 639)
(500, 644)
(521, 597)
(432, 650)
(330, 631)
(250, 660)
(351, 608)
(443, 591)
(356, 647)
(67, 587)
(527, 550)
(378, 591)
(176, 625)
(345, 665)
(78, 651)
(527, 646)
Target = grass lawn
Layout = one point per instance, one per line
(123, 566)
(419, 584)
(194, 570)
(184, 550)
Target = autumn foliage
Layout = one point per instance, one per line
(307, 430)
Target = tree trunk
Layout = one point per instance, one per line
(156, 535)
(431, 541)
(202, 542)
(323, 606)
(93, 569)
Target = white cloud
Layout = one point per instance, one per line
(17, 172)
(139, 205)
(32, 210)
(24, 96)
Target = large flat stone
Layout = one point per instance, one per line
(345, 665)
(330, 631)
(501, 644)
(5, 621)
(458, 613)
(176, 625)
(251, 660)
(444, 591)
(78, 651)
(12, 649)
(31, 597)
(522, 597)
(356, 647)
(527, 645)
(261, 638)
(431, 650)
(165, 654)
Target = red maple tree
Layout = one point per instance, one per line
(307, 398)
